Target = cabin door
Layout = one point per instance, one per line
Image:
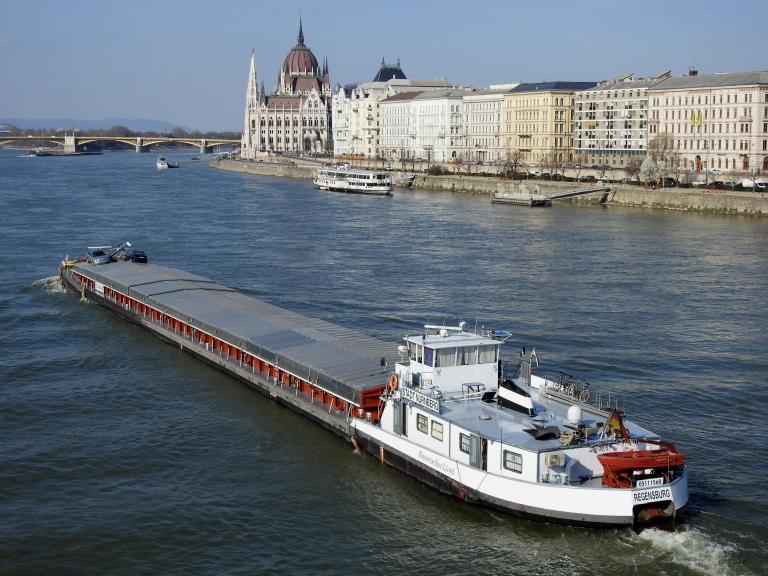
(400, 418)
(478, 452)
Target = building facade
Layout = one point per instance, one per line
(610, 125)
(355, 109)
(425, 125)
(483, 130)
(538, 121)
(717, 122)
(297, 116)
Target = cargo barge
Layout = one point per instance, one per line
(441, 407)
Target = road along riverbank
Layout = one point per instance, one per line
(713, 201)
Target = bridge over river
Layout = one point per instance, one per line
(75, 143)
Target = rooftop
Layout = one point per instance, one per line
(714, 81)
(553, 87)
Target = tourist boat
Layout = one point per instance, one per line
(442, 407)
(163, 164)
(342, 178)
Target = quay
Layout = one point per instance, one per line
(622, 195)
(324, 371)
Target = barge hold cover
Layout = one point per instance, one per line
(339, 360)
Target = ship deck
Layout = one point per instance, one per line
(340, 360)
(490, 420)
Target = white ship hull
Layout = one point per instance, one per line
(582, 505)
(342, 179)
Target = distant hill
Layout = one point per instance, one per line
(6, 127)
(137, 124)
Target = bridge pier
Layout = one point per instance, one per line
(70, 144)
(140, 146)
(204, 148)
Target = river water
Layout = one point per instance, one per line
(121, 455)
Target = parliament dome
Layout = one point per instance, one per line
(300, 61)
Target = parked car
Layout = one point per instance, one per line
(97, 256)
(699, 182)
(545, 175)
(749, 183)
(668, 182)
(138, 256)
(624, 181)
(587, 178)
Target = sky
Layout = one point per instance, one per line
(186, 61)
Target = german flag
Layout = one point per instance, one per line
(616, 424)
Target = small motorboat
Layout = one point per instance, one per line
(163, 164)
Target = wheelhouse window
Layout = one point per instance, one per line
(429, 356)
(467, 355)
(488, 354)
(422, 424)
(437, 430)
(464, 443)
(446, 357)
(513, 462)
(415, 351)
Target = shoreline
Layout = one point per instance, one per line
(685, 200)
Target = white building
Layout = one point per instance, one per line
(355, 109)
(611, 121)
(426, 125)
(718, 122)
(482, 123)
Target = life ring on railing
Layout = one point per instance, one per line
(393, 382)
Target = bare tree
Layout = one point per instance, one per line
(676, 165)
(549, 162)
(512, 162)
(632, 169)
(661, 147)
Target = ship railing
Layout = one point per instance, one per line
(462, 397)
(572, 388)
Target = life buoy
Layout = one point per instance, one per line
(393, 381)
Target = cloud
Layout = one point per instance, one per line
(4, 40)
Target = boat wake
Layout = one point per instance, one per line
(690, 548)
(52, 284)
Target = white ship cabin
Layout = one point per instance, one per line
(450, 403)
(450, 362)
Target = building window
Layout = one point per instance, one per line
(437, 430)
(513, 462)
(422, 424)
(464, 443)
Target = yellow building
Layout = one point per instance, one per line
(538, 121)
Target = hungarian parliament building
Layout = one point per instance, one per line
(297, 116)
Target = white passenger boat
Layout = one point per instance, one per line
(535, 445)
(345, 179)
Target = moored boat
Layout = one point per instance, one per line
(442, 407)
(342, 178)
(162, 163)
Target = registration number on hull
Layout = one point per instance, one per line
(650, 482)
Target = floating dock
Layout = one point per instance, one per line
(521, 199)
(322, 370)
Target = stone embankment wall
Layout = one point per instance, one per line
(715, 201)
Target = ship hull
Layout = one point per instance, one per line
(571, 505)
